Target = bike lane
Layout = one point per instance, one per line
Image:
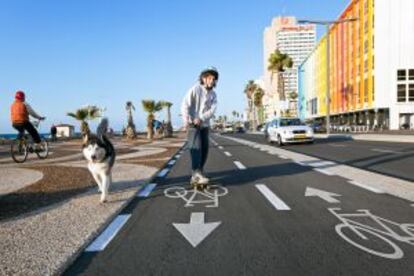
(338, 228)
(250, 232)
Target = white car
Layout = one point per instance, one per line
(228, 128)
(289, 131)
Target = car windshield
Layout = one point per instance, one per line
(291, 122)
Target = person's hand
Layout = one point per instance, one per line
(197, 122)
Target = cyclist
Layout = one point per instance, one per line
(20, 112)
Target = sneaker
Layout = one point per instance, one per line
(201, 178)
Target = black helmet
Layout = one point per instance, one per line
(210, 70)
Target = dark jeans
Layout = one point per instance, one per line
(29, 128)
(198, 146)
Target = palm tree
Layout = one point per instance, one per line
(130, 129)
(234, 113)
(249, 90)
(85, 114)
(151, 107)
(169, 129)
(278, 62)
(257, 101)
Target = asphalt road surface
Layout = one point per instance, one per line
(257, 221)
(388, 158)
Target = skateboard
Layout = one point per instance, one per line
(198, 186)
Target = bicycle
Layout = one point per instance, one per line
(383, 232)
(21, 147)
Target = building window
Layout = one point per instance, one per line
(373, 88)
(411, 74)
(365, 90)
(358, 98)
(401, 93)
(411, 92)
(401, 75)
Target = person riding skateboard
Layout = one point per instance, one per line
(198, 107)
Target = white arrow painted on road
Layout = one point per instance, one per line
(327, 196)
(196, 231)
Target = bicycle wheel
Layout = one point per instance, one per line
(217, 190)
(175, 192)
(396, 253)
(44, 150)
(18, 150)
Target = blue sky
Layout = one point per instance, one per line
(66, 54)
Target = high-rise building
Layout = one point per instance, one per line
(371, 68)
(296, 40)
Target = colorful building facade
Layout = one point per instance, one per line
(368, 61)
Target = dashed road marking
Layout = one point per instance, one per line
(322, 164)
(366, 187)
(299, 163)
(324, 172)
(386, 151)
(106, 236)
(163, 173)
(239, 165)
(272, 198)
(220, 147)
(227, 153)
(145, 192)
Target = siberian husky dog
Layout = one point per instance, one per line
(100, 154)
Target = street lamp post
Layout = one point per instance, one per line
(327, 24)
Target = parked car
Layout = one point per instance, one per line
(240, 129)
(228, 128)
(289, 131)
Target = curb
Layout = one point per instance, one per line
(125, 205)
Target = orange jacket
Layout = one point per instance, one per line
(19, 113)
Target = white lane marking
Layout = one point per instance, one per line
(239, 165)
(147, 190)
(366, 187)
(227, 153)
(220, 147)
(324, 171)
(322, 164)
(272, 198)
(299, 163)
(177, 156)
(385, 151)
(163, 172)
(110, 232)
(172, 162)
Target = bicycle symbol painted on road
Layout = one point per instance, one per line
(363, 236)
(194, 196)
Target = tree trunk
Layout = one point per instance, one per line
(150, 129)
(281, 86)
(169, 129)
(84, 128)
